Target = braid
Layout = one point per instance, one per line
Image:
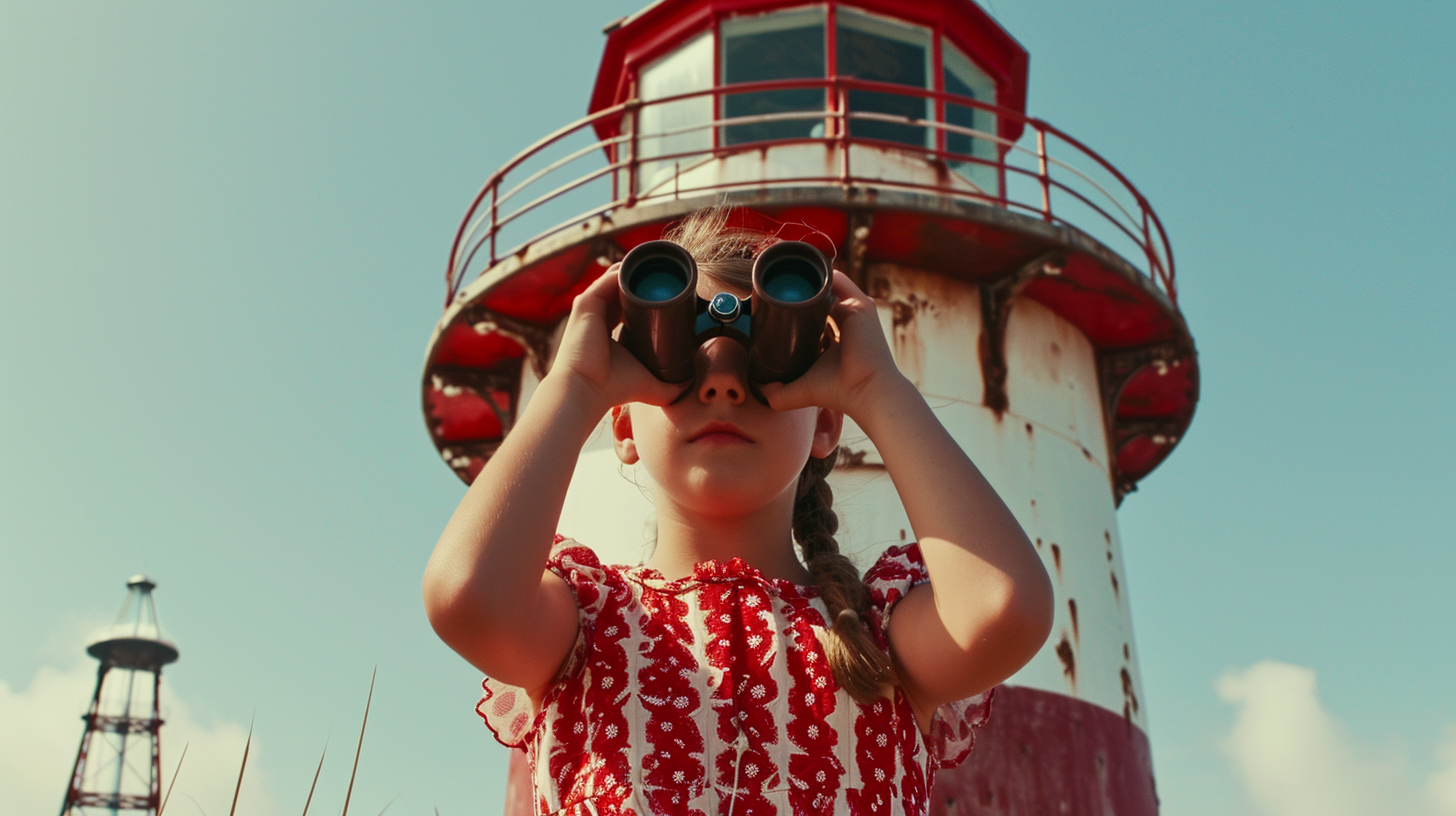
(859, 665)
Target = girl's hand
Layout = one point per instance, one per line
(597, 368)
(851, 371)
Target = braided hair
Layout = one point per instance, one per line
(859, 665)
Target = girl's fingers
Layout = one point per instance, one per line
(638, 383)
(815, 387)
(601, 297)
(842, 287)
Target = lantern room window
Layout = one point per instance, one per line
(882, 50)
(962, 77)
(782, 45)
(685, 123)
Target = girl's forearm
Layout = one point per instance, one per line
(488, 563)
(968, 536)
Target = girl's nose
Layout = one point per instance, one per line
(722, 371)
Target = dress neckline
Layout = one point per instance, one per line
(714, 571)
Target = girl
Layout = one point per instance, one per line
(726, 676)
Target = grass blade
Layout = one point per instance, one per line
(307, 801)
(246, 747)
(360, 749)
(173, 784)
(387, 804)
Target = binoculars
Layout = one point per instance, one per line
(782, 324)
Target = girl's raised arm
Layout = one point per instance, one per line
(486, 589)
(988, 606)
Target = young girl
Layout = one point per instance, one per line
(726, 676)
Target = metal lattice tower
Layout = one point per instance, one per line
(118, 766)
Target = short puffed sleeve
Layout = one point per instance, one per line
(953, 728)
(506, 709)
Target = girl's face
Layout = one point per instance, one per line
(717, 451)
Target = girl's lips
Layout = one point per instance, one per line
(720, 432)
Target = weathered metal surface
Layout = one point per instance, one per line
(1044, 753)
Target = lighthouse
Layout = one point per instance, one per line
(1026, 285)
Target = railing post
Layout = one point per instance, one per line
(631, 118)
(494, 191)
(1155, 268)
(613, 156)
(841, 102)
(1001, 152)
(1046, 182)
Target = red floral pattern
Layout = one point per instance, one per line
(712, 695)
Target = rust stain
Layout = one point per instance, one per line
(902, 534)
(1072, 610)
(1127, 691)
(1126, 655)
(942, 172)
(1069, 660)
(993, 369)
(1115, 589)
(1038, 543)
(1057, 559)
(901, 313)
(1028, 429)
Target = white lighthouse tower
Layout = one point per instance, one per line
(1026, 285)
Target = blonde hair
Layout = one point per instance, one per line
(725, 256)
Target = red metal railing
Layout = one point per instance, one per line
(1055, 178)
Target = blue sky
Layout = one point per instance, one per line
(223, 230)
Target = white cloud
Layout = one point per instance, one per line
(1295, 759)
(40, 728)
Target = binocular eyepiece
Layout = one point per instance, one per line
(782, 323)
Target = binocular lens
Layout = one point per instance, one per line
(792, 280)
(658, 279)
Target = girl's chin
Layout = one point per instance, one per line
(723, 500)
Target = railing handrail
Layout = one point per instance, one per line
(469, 238)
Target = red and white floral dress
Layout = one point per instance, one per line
(711, 696)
